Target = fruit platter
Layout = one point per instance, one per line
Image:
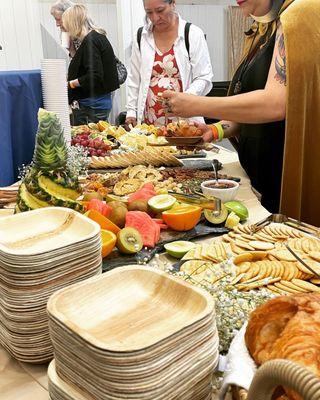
(132, 208)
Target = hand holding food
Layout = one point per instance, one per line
(131, 121)
(180, 104)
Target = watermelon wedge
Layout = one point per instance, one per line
(144, 193)
(143, 223)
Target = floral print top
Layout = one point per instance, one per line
(165, 75)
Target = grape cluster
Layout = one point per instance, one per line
(95, 147)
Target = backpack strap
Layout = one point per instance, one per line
(139, 34)
(186, 37)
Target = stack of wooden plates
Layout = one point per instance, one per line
(41, 251)
(8, 194)
(133, 333)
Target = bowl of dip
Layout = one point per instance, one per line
(224, 189)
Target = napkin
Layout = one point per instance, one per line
(240, 367)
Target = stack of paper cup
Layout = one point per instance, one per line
(55, 92)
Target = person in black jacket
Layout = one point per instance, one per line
(92, 73)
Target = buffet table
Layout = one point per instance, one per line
(20, 99)
(20, 381)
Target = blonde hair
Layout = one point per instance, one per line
(77, 22)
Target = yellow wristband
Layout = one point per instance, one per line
(219, 127)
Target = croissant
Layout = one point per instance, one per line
(287, 327)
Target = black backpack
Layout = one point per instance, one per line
(186, 36)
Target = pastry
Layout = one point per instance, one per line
(287, 327)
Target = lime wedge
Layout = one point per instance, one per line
(238, 208)
(178, 249)
(232, 220)
(162, 202)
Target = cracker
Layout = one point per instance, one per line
(285, 288)
(258, 255)
(237, 279)
(257, 284)
(282, 254)
(235, 249)
(244, 245)
(243, 258)
(264, 237)
(226, 238)
(310, 287)
(243, 267)
(291, 285)
(261, 245)
(315, 255)
(276, 290)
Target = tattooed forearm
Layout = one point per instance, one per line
(280, 61)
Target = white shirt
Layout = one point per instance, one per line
(196, 73)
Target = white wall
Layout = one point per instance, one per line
(211, 17)
(20, 35)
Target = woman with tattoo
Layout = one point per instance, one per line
(256, 111)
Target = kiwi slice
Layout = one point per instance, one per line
(129, 241)
(216, 219)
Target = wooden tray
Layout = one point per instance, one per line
(139, 298)
(43, 230)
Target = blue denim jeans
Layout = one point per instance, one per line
(84, 115)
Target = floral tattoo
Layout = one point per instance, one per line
(280, 62)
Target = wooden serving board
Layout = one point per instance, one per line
(115, 259)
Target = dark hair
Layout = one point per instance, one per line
(165, 1)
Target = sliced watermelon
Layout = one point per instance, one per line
(160, 222)
(144, 193)
(148, 229)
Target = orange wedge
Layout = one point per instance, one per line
(182, 217)
(108, 240)
(104, 222)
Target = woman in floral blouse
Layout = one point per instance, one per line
(161, 60)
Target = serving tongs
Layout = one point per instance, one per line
(301, 261)
(283, 219)
(206, 202)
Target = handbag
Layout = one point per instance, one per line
(122, 71)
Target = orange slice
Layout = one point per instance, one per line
(104, 222)
(182, 217)
(108, 240)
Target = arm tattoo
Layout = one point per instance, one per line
(280, 62)
(225, 126)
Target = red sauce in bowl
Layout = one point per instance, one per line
(220, 185)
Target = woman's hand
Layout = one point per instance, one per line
(131, 121)
(180, 104)
(206, 131)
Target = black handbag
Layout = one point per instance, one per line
(122, 71)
